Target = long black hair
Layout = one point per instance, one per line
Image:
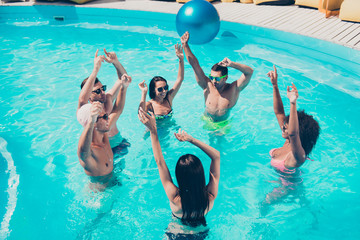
(155, 79)
(193, 193)
(309, 130)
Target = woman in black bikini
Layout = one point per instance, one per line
(193, 199)
(161, 97)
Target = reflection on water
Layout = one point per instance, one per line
(176, 230)
(165, 128)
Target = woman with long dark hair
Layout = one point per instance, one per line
(193, 199)
(161, 96)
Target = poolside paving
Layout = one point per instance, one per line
(295, 19)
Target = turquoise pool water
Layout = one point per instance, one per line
(44, 192)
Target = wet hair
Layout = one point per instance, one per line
(309, 130)
(193, 193)
(83, 82)
(155, 79)
(217, 68)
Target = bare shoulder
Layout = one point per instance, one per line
(148, 103)
(230, 86)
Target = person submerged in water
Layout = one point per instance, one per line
(94, 150)
(92, 90)
(220, 96)
(161, 97)
(300, 131)
(193, 199)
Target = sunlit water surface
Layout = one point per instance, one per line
(41, 67)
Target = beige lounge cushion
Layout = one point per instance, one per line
(308, 3)
(274, 2)
(246, 1)
(333, 4)
(350, 10)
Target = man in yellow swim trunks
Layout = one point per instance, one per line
(220, 96)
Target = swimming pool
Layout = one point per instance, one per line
(43, 62)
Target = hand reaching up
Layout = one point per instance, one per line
(179, 52)
(143, 87)
(98, 60)
(225, 63)
(125, 80)
(110, 57)
(185, 38)
(293, 93)
(148, 119)
(182, 136)
(273, 76)
(95, 110)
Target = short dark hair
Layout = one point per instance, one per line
(83, 82)
(309, 130)
(217, 68)
(155, 79)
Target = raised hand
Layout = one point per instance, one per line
(179, 52)
(95, 110)
(292, 94)
(143, 87)
(225, 63)
(148, 119)
(273, 76)
(98, 60)
(185, 38)
(182, 136)
(125, 80)
(110, 57)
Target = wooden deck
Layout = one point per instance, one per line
(304, 21)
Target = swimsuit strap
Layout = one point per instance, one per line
(175, 215)
(167, 99)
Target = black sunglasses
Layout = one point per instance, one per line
(98, 91)
(160, 89)
(105, 116)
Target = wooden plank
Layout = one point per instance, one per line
(338, 31)
(330, 28)
(357, 46)
(351, 35)
(311, 23)
(344, 33)
(284, 17)
(246, 17)
(232, 13)
(321, 26)
(305, 21)
(354, 40)
(275, 15)
(296, 21)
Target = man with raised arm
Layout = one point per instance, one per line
(92, 90)
(220, 96)
(94, 151)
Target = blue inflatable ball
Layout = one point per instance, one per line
(201, 19)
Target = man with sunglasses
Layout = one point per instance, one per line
(92, 90)
(94, 150)
(220, 96)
